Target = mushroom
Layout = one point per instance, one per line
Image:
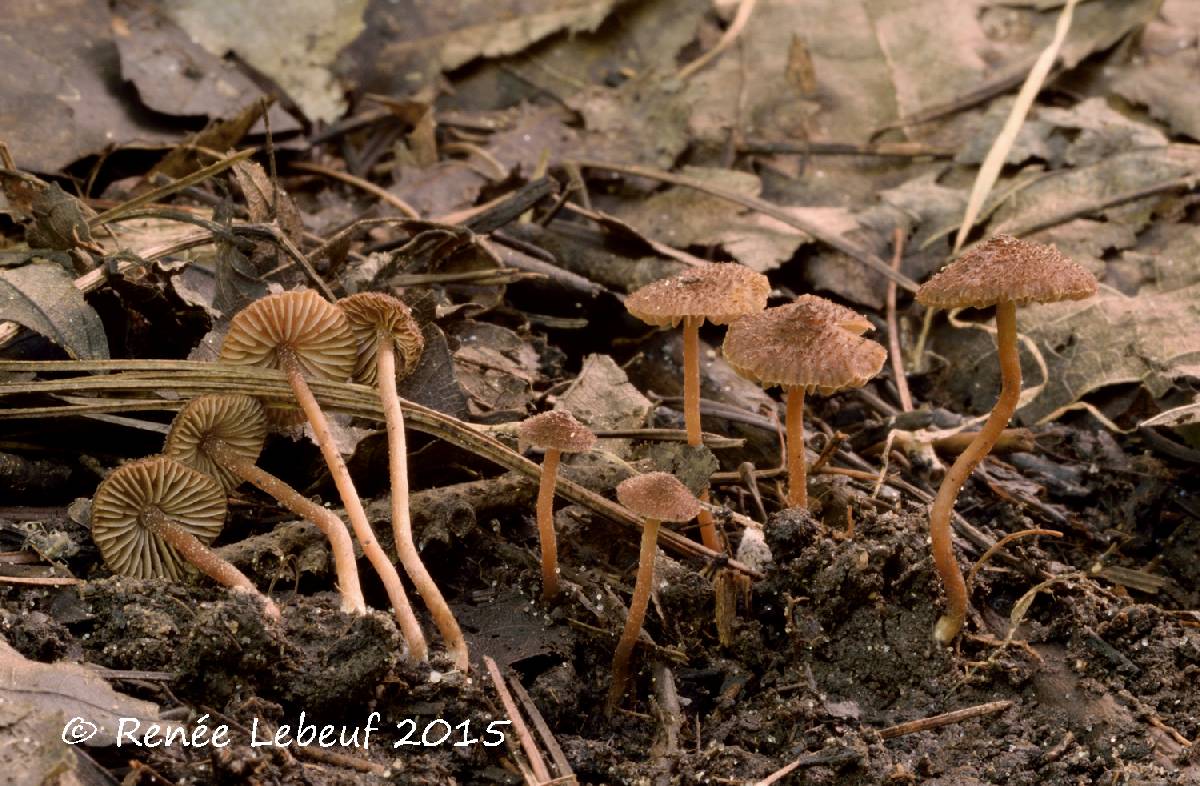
(1003, 272)
(151, 516)
(381, 325)
(557, 432)
(719, 293)
(811, 345)
(221, 436)
(301, 333)
(656, 497)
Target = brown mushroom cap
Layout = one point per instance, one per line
(556, 430)
(236, 420)
(659, 496)
(192, 500)
(719, 292)
(1005, 268)
(373, 315)
(315, 330)
(819, 309)
(784, 346)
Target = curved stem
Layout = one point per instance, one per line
(205, 559)
(406, 548)
(340, 544)
(691, 415)
(545, 522)
(409, 627)
(951, 622)
(797, 472)
(637, 613)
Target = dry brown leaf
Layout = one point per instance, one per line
(43, 298)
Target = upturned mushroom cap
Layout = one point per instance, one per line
(719, 292)
(373, 315)
(659, 496)
(556, 430)
(785, 346)
(190, 499)
(236, 420)
(1005, 268)
(312, 328)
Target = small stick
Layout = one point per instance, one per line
(1009, 538)
(901, 379)
(561, 763)
(827, 452)
(518, 723)
(745, 8)
(945, 719)
(360, 184)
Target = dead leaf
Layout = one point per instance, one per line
(43, 298)
(61, 95)
(404, 46)
(496, 368)
(294, 42)
(602, 398)
(69, 690)
(175, 75)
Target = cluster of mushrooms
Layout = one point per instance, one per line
(151, 516)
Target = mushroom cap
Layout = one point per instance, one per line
(1005, 268)
(373, 316)
(236, 420)
(192, 500)
(818, 308)
(659, 496)
(555, 430)
(719, 292)
(315, 330)
(785, 346)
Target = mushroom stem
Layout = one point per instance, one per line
(409, 627)
(406, 548)
(951, 622)
(340, 545)
(545, 522)
(637, 613)
(691, 415)
(797, 471)
(204, 559)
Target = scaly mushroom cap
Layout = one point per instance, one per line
(557, 430)
(373, 316)
(238, 421)
(785, 346)
(1005, 268)
(659, 496)
(312, 328)
(819, 309)
(192, 500)
(719, 292)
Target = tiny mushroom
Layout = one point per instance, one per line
(384, 329)
(151, 516)
(222, 436)
(720, 293)
(303, 334)
(811, 345)
(655, 497)
(1004, 272)
(557, 432)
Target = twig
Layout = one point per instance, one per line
(156, 194)
(879, 149)
(41, 581)
(745, 8)
(901, 379)
(561, 763)
(831, 758)
(1009, 538)
(945, 719)
(1187, 182)
(766, 208)
(831, 446)
(518, 723)
(362, 185)
(714, 441)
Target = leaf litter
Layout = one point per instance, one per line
(558, 156)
